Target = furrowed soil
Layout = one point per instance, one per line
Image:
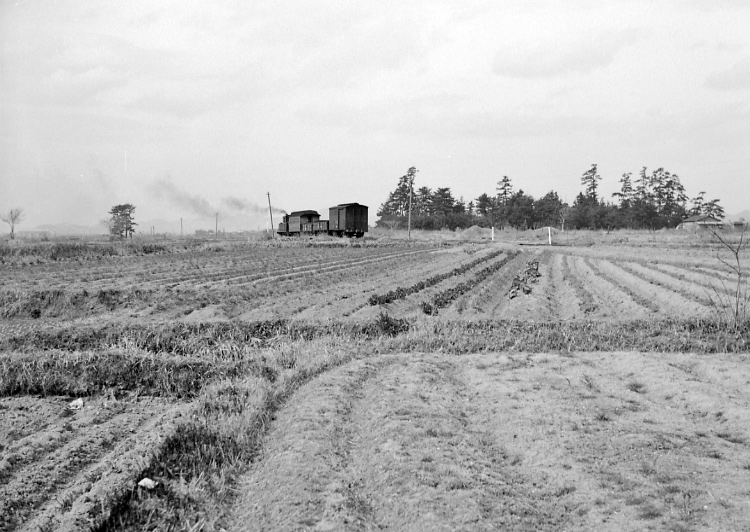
(581, 441)
(327, 386)
(59, 465)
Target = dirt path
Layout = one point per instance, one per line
(588, 441)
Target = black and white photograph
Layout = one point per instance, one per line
(360, 266)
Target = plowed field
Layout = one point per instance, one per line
(624, 441)
(322, 284)
(364, 387)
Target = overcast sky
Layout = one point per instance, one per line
(186, 108)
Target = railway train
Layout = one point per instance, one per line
(347, 219)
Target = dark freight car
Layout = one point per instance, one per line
(348, 219)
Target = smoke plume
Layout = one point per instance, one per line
(165, 189)
(241, 205)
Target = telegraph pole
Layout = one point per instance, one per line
(410, 174)
(411, 186)
(270, 212)
(216, 230)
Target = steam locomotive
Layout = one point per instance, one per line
(347, 219)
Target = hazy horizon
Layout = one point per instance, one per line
(185, 109)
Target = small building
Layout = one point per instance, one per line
(700, 221)
(33, 235)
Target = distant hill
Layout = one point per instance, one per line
(240, 222)
(71, 229)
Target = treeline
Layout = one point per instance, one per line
(653, 200)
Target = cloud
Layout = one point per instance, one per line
(736, 77)
(444, 117)
(557, 57)
(164, 189)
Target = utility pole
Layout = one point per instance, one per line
(216, 230)
(270, 212)
(410, 174)
(411, 187)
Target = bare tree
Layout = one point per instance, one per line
(13, 218)
(392, 224)
(108, 224)
(732, 303)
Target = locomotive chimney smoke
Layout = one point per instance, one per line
(241, 205)
(165, 189)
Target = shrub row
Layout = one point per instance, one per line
(401, 292)
(77, 374)
(190, 339)
(446, 297)
(664, 336)
(56, 302)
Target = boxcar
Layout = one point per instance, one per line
(348, 219)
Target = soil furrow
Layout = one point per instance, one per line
(492, 299)
(46, 465)
(653, 275)
(309, 448)
(611, 301)
(567, 303)
(541, 303)
(659, 297)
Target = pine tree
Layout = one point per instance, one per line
(423, 201)
(398, 200)
(483, 205)
(502, 211)
(712, 208)
(590, 179)
(698, 203)
(443, 201)
(122, 224)
(626, 191)
(504, 190)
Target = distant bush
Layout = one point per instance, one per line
(148, 249)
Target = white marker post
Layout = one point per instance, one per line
(549, 233)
